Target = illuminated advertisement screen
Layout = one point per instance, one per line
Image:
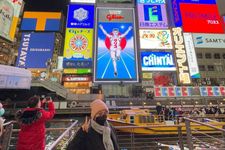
(191, 55)
(82, 1)
(205, 17)
(41, 21)
(155, 39)
(78, 48)
(181, 57)
(151, 1)
(9, 16)
(152, 16)
(80, 16)
(115, 57)
(157, 61)
(115, 1)
(77, 71)
(224, 21)
(35, 50)
(209, 40)
(176, 8)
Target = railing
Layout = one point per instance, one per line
(219, 141)
(64, 126)
(130, 140)
(67, 133)
(7, 128)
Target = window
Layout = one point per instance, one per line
(219, 68)
(201, 67)
(224, 56)
(199, 55)
(217, 56)
(211, 68)
(208, 55)
(131, 119)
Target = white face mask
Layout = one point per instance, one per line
(2, 111)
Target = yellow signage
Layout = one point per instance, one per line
(146, 75)
(78, 44)
(9, 16)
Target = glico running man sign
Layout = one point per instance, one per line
(115, 57)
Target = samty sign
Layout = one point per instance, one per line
(181, 57)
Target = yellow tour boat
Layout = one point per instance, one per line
(143, 122)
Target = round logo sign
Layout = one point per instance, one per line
(78, 43)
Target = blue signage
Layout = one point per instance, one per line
(77, 64)
(80, 16)
(157, 61)
(36, 49)
(176, 8)
(151, 1)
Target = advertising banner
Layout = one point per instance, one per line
(78, 48)
(76, 78)
(80, 16)
(181, 57)
(41, 21)
(206, 18)
(82, 1)
(152, 16)
(146, 75)
(116, 56)
(155, 39)
(151, 1)
(184, 91)
(212, 91)
(9, 16)
(191, 55)
(209, 40)
(77, 71)
(35, 50)
(157, 61)
(177, 12)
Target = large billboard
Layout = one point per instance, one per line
(78, 48)
(152, 16)
(9, 16)
(35, 50)
(191, 55)
(177, 11)
(157, 61)
(82, 1)
(80, 16)
(115, 57)
(181, 57)
(155, 39)
(209, 40)
(205, 17)
(41, 21)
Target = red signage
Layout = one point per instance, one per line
(201, 18)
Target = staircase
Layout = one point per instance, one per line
(52, 86)
(83, 99)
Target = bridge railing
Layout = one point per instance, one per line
(207, 141)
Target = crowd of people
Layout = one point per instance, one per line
(170, 113)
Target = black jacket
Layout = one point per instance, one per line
(91, 140)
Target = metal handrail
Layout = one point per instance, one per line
(62, 135)
(204, 124)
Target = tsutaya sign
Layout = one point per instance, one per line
(181, 57)
(209, 40)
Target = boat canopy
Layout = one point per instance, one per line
(14, 78)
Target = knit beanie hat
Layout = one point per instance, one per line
(97, 106)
